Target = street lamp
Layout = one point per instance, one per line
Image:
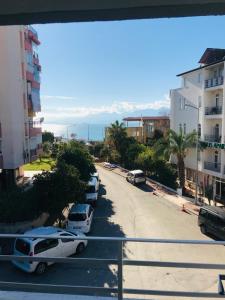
(196, 177)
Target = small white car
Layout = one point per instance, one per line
(136, 177)
(96, 175)
(92, 191)
(46, 247)
(80, 218)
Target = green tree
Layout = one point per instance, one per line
(47, 137)
(55, 190)
(176, 144)
(46, 146)
(77, 155)
(144, 160)
(117, 138)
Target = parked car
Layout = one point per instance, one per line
(47, 247)
(80, 218)
(96, 175)
(92, 191)
(212, 220)
(136, 177)
(109, 165)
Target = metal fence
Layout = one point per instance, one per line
(120, 261)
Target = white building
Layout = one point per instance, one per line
(204, 88)
(20, 131)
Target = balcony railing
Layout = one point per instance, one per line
(212, 166)
(213, 82)
(214, 110)
(212, 138)
(119, 261)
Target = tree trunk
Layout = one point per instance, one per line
(181, 172)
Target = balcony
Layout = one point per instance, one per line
(212, 138)
(213, 82)
(213, 110)
(33, 131)
(212, 166)
(33, 36)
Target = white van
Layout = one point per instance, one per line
(96, 175)
(136, 177)
(80, 218)
(46, 247)
(92, 191)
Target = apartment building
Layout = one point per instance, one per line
(20, 129)
(142, 128)
(199, 105)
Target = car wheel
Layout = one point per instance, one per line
(203, 229)
(41, 268)
(80, 248)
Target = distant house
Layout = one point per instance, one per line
(143, 128)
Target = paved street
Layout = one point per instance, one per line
(129, 211)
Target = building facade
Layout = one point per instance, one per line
(199, 105)
(20, 129)
(146, 127)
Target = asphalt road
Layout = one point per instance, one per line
(128, 211)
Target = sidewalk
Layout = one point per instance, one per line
(161, 191)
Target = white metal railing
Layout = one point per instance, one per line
(213, 82)
(120, 261)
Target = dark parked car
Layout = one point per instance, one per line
(212, 220)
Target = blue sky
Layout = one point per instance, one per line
(97, 72)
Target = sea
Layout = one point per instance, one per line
(86, 132)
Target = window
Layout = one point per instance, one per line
(45, 245)
(199, 130)
(182, 103)
(90, 211)
(199, 78)
(66, 240)
(217, 100)
(180, 127)
(91, 189)
(22, 246)
(184, 82)
(184, 128)
(77, 217)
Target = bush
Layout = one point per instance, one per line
(164, 173)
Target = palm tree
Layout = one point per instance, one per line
(117, 136)
(177, 144)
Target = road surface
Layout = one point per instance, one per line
(129, 211)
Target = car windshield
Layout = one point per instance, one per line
(77, 217)
(139, 175)
(22, 246)
(90, 189)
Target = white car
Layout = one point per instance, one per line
(80, 218)
(46, 247)
(96, 175)
(136, 177)
(92, 191)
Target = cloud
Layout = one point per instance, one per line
(46, 97)
(120, 107)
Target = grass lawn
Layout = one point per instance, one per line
(38, 165)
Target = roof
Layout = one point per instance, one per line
(92, 181)
(201, 67)
(211, 55)
(216, 210)
(136, 172)
(151, 118)
(49, 230)
(79, 208)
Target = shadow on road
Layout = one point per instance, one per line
(81, 274)
(145, 188)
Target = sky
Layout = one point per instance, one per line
(98, 72)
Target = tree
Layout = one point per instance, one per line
(47, 137)
(176, 144)
(77, 155)
(144, 160)
(55, 190)
(117, 136)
